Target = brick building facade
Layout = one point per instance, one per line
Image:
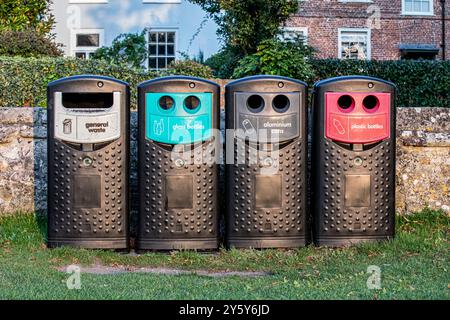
(377, 29)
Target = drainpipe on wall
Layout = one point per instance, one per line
(443, 29)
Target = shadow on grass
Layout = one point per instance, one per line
(41, 222)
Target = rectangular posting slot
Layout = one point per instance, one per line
(87, 192)
(88, 100)
(268, 191)
(357, 191)
(179, 192)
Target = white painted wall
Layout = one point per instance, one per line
(110, 18)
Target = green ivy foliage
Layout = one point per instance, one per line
(22, 15)
(188, 68)
(244, 24)
(23, 81)
(275, 57)
(27, 43)
(223, 63)
(128, 49)
(419, 83)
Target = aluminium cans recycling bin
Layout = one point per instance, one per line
(353, 160)
(266, 163)
(88, 162)
(178, 170)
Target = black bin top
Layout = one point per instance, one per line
(88, 83)
(266, 83)
(179, 84)
(354, 84)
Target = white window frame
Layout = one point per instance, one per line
(415, 13)
(296, 29)
(88, 50)
(369, 40)
(165, 29)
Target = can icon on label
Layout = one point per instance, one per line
(248, 125)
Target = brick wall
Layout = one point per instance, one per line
(323, 18)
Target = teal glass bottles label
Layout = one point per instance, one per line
(179, 118)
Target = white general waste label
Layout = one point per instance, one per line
(87, 129)
(90, 126)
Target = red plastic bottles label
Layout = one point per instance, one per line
(358, 124)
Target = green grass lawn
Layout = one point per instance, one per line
(414, 266)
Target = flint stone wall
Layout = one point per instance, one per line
(423, 162)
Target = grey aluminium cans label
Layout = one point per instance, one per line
(266, 124)
(284, 127)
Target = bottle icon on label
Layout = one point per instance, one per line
(67, 126)
(248, 126)
(339, 127)
(158, 127)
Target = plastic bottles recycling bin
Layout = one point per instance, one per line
(353, 160)
(88, 162)
(178, 170)
(266, 163)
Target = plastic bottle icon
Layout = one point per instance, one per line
(158, 127)
(339, 127)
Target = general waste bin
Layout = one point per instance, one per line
(178, 169)
(353, 154)
(266, 163)
(88, 162)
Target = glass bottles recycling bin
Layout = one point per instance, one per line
(178, 169)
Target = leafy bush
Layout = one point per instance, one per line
(420, 83)
(23, 82)
(223, 63)
(276, 57)
(27, 44)
(188, 68)
(243, 25)
(128, 49)
(19, 15)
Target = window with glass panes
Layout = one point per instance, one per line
(354, 45)
(290, 34)
(161, 48)
(86, 44)
(417, 6)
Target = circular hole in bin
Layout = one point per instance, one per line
(192, 102)
(346, 102)
(281, 103)
(255, 103)
(371, 103)
(166, 103)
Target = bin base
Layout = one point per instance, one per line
(90, 243)
(177, 244)
(346, 241)
(267, 243)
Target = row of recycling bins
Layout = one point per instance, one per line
(272, 196)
